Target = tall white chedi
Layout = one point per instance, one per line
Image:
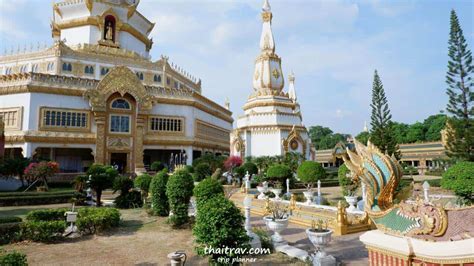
(272, 122)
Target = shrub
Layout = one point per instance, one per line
(348, 186)
(201, 171)
(279, 173)
(9, 232)
(44, 198)
(143, 183)
(213, 161)
(43, 231)
(219, 223)
(460, 179)
(157, 166)
(159, 200)
(94, 220)
(10, 219)
(250, 167)
(46, 215)
(206, 189)
(309, 172)
(12, 258)
(102, 177)
(232, 162)
(128, 198)
(179, 190)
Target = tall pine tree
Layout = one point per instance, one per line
(381, 120)
(460, 137)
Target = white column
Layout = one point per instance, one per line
(189, 155)
(27, 150)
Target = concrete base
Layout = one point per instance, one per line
(292, 252)
(327, 260)
(255, 242)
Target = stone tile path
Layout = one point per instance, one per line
(346, 249)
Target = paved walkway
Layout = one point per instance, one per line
(346, 249)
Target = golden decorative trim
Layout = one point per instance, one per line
(268, 103)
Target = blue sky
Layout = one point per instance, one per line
(333, 48)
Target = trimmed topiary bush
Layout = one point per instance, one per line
(157, 166)
(179, 191)
(250, 167)
(219, 223)
(102, 177)
(47, 215)
(159, 200)
(206, 189)
(201, 171)
(279, 173)
(460, 179)
(10, 219)
(309, 172)
(12, 258)
(128, 198)
(143, 183)
(96, 220)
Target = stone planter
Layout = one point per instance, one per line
(352, 200)
(309, 196)
(320, 240)
(262, 191)
(276, 226)
(277, 192)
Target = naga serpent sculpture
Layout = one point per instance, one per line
(381, 174)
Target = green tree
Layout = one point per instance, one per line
(433, 125)
(381, 120)
(316, 133)
(415, 133)
(101, 177)
(363, 137)
(460, 142)
(309, 172)
(400, 131)
(460, 179)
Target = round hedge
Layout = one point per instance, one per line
(179, 191)
(460, 179)
(279, 173)
(250, 167)
(219, 223)
(159, 200)
(206, 189)
(143, 182)
(309, 172)
(201, 171)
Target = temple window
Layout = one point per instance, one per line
(34, 68)
(50, 66)
(175, 84)
(89, 70)
(109, 28)
(23, 68)
(120, 123)
(104, 71)
(139, 75)
(168, 81)
(10, 117)
(121, 104)
(157, 78)
(67, 67)
(8, 71)
(166, 124)
(52, 117)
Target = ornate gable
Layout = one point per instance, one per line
(122, 80)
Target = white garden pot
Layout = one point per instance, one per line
(277, 192)
(352, 201)
(320, 240)
(276, 226)
(309, 196)
(262, 191)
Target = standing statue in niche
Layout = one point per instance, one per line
(109, 32)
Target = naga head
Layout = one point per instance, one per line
(380, 173)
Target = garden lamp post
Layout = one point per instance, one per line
(288, 193)
(426, 188)
(254, 239)
(319, 192)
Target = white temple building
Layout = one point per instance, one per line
(272, 121)
(95, 95)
